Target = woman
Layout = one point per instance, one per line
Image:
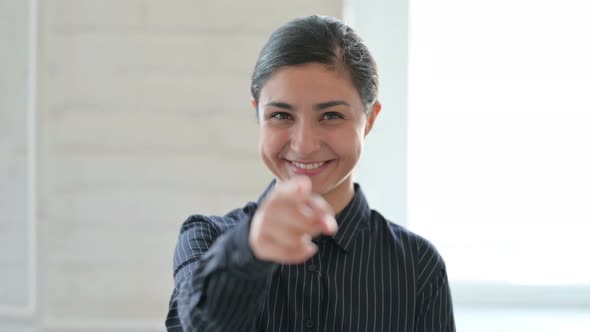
(310, 255)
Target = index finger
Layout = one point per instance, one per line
(323, 213)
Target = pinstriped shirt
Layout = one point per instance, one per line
(372, 275)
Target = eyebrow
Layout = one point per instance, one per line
(280, 105)
(317, 107)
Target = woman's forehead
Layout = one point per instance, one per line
(311, 82)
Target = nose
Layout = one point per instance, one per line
(305, 138)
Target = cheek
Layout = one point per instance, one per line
(359, 137)
(271, 141)
(357, 144)
(347, 142)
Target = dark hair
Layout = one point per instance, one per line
(319, 39)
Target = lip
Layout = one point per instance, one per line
(305, 171)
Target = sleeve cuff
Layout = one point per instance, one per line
(241, 259)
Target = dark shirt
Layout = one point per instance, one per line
(372, 275)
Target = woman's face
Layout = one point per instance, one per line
(312, 123)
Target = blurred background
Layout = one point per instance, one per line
(119, 119)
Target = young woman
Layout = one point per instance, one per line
(310, 255)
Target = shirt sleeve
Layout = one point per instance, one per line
(434, 305)
(219, 283)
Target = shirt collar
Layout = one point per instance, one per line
(351, 220)
(267, 191)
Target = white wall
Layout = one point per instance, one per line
(17, 293)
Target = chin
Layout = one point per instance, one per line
(325, 188)
(319, 189)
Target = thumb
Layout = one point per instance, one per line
(302, 185)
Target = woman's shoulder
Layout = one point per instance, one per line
(416, 244)
(220, 223)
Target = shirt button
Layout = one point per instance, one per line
(309, 324)
(312, 268)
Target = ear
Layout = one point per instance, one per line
(255, 105)
(372, 117)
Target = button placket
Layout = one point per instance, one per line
(313, 265)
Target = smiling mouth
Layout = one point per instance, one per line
(308, 168)
(308, 165)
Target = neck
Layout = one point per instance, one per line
(340, 197)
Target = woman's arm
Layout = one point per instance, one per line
(434, 306)
(219, 284)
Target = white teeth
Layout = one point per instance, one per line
(308, 166)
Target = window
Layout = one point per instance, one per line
(499, 142)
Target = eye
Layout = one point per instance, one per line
(332, 116)
(281, 116)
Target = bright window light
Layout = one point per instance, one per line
(499, 138)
